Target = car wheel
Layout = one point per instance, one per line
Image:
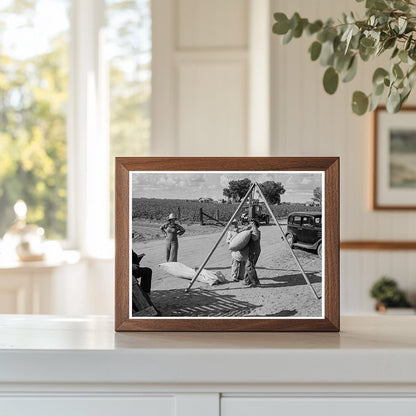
(290, 239)
(319, 251)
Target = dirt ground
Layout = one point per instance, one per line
(283, 291)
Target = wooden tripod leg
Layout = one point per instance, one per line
(220, 238)
(290, 248)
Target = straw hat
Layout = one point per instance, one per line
(171, 216)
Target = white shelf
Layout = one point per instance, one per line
(52, 349)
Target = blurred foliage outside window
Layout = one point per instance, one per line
(34, 69)
(33, 101)
(129, 52)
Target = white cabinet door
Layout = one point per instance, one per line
(273, 406)
(88, 406)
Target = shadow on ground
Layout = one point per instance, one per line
(199, 302)
(284, 313)
(279, 281)
(290, 280)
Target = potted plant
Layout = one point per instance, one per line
(387, 294)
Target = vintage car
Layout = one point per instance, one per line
(304, 230)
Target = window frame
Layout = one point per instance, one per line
(87, 133)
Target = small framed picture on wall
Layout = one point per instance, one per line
(394, 159)
(227, 244)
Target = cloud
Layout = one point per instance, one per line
(192, 185)
(224, 181)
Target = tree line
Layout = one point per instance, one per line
(237, 189)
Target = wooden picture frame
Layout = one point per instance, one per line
(388, 193)
(136, 167)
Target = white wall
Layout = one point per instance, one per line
(200, 77)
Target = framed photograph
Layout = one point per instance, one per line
(394, 159)
(227, 244)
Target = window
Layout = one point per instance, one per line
(296, 220)
(308, 221)
(33, 106)
(129, 45)
(75, 87)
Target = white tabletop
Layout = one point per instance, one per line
(86, 349)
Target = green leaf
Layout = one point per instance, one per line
(314, 27)
(330, 80)
(393, 101)
(367, 42)
(412, 52)
(408, 42)
(376, 4)
(374, 101)
(379, 75)
(352, 31)
(298, 30)
(288, 37)
(327, 53)
(402, 24)
(389, 43)
(404, 95)
(322, 36)
(400, 5)
(341, 61)
(397, 71)
(395, 52)
(294, 20)
(359, 103)
(378, 89)
(315, 50)
(411, 75)
(281, 27)
(351, 71)
(403, 56)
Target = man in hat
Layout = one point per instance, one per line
(254, 249)
(142, 273)
(239, 258)
(171, 230)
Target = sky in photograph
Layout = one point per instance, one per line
(299, 185)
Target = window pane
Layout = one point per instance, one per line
(129, 52)
(33, 101)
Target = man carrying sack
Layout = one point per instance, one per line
(254, 249)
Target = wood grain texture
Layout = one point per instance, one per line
(376, 206)
(330, 165)
(378, 245)
(122, 256)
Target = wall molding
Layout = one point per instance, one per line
(378, 245)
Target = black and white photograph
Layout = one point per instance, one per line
(394, 177)
(227, 244)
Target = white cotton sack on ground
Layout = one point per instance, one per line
(178, 269)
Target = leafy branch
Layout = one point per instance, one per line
(389, 26)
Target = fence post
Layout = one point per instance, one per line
(179, 213)
(201, 216)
